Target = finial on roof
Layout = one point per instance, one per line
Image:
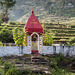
(32, 10)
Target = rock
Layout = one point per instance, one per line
(47, 72)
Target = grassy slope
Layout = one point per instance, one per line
(22, 10)
(62, 31)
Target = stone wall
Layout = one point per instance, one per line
(65, 50)
(16, 50)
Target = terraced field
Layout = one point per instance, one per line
(62, 32)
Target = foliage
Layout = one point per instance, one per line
(12, 71)
(58, 71)
(26, 55)
(5, 34)
(71, 42)
(20, 37)
(1, 72)
(44, 28)
(58, 59)
(58, 62)
(47, 36)
(48, 6)
(61, 34)
(58, 6)
(55, 68)
(1, 43)
(7, 66)
(1, 22)
(47, 39)
(28, 72)
(1, 61)
(12, 23)
(6, 5)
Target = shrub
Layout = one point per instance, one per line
(1, 22)
(1, 71)
(1, 61)
(7, 66)
(20, 37)
(13, 23)
(59, 71)
(12, 71)
(28, 72)
(1, 43)
(54, 66)
(47, 36)
(71, 41)
(60, 57)
(6, 35)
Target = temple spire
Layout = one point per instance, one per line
(33, 24)
(32, 10)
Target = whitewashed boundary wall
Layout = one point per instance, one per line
(16, 50)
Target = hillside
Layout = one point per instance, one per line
(45, 10)
(62, 31)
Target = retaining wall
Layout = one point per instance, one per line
(16, 50)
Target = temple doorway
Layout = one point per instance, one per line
(34, 42)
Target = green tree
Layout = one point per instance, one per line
(5, 6)
(20, 38)
(6, 35)
(47, 36)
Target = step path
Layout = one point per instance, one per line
(35, 68)
(38, 64)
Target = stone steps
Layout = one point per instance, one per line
(35, 68)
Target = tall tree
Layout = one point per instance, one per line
(47, 36)
(5, 6)
(20, 38)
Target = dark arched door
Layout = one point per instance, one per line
(34, 42)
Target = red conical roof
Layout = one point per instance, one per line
(33, 24)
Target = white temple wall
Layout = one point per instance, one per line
(40, 43)
(16, 50)
(29, 43)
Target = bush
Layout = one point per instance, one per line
(1, 61)
(6, 35)
(60, 57)
(12, 71)
(59, 71)
(1, 43)
(13, 23)
(20, 37)
(1, 71)
(7, 66)
(1, 22)
(28, 72)
(71, 41)
(54, 65)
